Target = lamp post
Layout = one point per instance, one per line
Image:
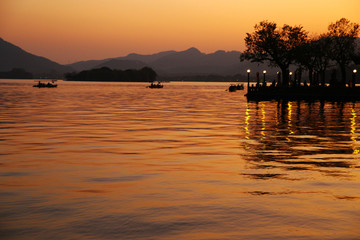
(264, 72)
(248, 72)
(354, 78)
(290, 74)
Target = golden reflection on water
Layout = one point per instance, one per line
(189, 161)
(353, 131)
(247, 121)
(289, 118)
(263, 121)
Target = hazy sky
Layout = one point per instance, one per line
(72, 30)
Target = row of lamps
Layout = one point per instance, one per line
(290, 73)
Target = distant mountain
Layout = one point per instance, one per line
(146, 59)
(167, 64)
(12, 57)
(87, 65)
(192, 61)
(179, 63)
(189, 61)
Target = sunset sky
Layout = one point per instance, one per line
(66, 31)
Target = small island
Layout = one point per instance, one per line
(146, 74)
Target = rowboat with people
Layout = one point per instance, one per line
(46, 84)
(156, 85)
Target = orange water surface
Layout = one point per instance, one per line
(189, 161)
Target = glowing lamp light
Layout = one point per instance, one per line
(354, 71)
(290, 73)
(248, 78)
(264, 71)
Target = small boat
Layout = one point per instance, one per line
(240, 87)
(46, 84)
(155, 85)
(232, 88)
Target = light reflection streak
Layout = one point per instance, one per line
(263, 118)
(353, 131)
(289, 110)
(247, 122)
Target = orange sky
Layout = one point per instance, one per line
(66, 31)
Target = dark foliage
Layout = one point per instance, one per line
(273, 44)
(289, 45)
(16, 73)
(343, 34)
(314, 56)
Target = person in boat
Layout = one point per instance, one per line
(40, 84)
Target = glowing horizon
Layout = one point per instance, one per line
(67, 31)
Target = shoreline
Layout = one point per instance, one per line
(303, 93)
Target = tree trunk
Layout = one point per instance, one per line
(322, 77)
(285, 76)
(299, 76)
(311, 73)
(343, 74)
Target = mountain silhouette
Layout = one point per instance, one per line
(87, 65)
(180, 63)
(190, 62)
(145, 59)
(12, 57)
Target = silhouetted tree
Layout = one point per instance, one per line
(306, 57)
(273, 44)
(343, 34)
(355, 56)
(322, 51)
(315, 57)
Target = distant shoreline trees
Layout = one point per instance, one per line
(292, 45)
(16, 73)
(145, 74)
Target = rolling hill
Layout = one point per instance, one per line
(12, 57)
(190, 62)
(178, 63)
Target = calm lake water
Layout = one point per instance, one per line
(189, 161)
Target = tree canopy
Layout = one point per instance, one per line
(291, 44)
(315, 56)
(273, 44)
(343, 34)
